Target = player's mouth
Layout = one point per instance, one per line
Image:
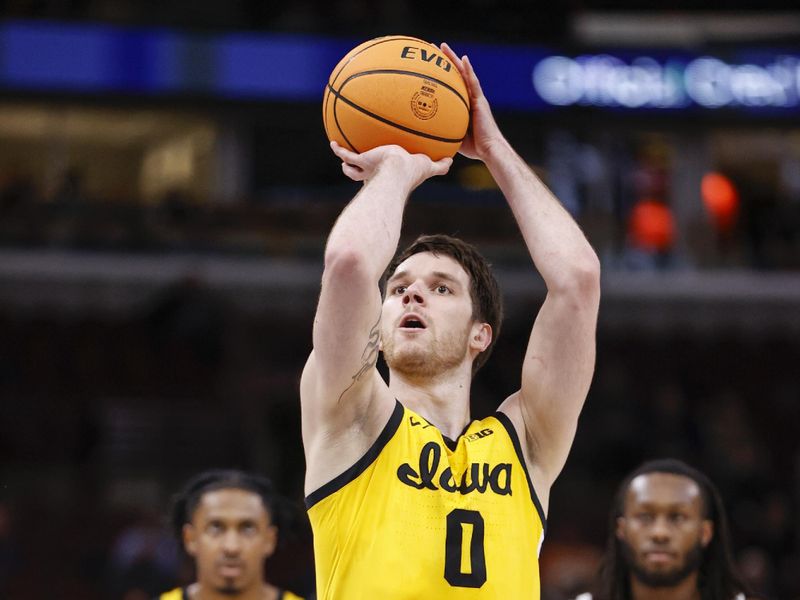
(659, 556)
(230, 568)
(412, 322)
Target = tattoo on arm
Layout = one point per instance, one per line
(369, 357)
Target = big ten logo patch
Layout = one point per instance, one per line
(472, 437)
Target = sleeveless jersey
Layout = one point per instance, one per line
(182, 594)
(421, 516)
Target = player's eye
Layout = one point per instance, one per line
(399, 290)
(443, 289)
(677, 518)
(214, 528)
(248, 529)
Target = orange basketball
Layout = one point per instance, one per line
(397, 90)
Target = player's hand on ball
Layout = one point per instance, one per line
(415, 167)
(483, 131)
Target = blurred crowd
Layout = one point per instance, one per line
(633, 229)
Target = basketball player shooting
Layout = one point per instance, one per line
(407, 496)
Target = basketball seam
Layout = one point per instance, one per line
(412, 73)
(336, 119)
(377, 42)
(422, 134)
(336, 76)
(325, 111)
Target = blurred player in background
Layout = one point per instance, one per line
(229, 522)
(407, 496)
(668, 539)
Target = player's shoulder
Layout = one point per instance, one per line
(174, 594)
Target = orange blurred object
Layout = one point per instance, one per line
(651, 225)
(721, 200)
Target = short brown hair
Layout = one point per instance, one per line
(487, 303)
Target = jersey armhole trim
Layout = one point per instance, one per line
(362, 463)
(512, 433)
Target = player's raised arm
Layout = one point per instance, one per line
(339, 378)
(559, 360)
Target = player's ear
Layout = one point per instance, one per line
(707, 532)
(270, 540)
(481, 336)
(189, 535)
(620, 530)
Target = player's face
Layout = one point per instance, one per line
(662, 529)
(427, 325)
(230, 536)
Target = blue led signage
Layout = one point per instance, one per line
(603, 80)
(98, 60)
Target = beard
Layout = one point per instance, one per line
(415, 359)
(660, 579)
(229, 589)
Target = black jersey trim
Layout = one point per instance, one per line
(450, 443)
(362, 463)
(512, 433)
(184, 593)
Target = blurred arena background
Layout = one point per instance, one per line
(165, 193)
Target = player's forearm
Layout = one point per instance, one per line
(368, 230)
(560, 251)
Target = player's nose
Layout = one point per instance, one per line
(414, 293)
(231, 544)
(660, 530)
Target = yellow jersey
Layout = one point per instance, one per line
(422, 516)
(183, 594)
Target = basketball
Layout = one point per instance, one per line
(397, 90)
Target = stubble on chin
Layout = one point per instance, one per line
(228, 589)
(417, 360)
(655, 579)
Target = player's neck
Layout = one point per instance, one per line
(266, 591)
(685, 590)
(443, 400)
